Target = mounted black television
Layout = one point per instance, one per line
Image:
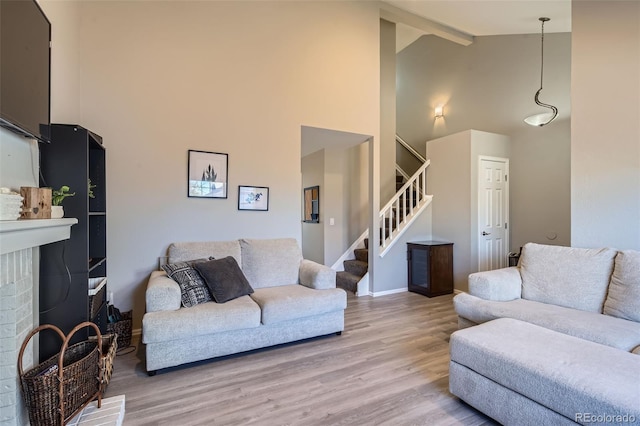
(25, 63)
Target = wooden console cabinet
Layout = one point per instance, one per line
(430, 267)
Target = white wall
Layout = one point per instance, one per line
(540, 189)
(452, 179)
(18, 161)
(159, 78)
(357, 179)
(65, 59)
(489, 86)
(387, 110)
(345, 199)
(449, 181)
(605, 128)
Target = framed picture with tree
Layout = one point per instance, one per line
(208, 174)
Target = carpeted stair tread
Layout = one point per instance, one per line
(347, 281)
(356, 267)
(362, 254)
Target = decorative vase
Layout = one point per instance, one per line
(57, 212)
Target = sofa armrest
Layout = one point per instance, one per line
(500, 284)
(163, 293)
(317, 276)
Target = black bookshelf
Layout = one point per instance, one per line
(75, 156)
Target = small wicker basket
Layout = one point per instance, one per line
(123, 329)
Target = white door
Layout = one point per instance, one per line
(493, 213)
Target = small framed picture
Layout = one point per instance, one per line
(253, 198)
(208, 174)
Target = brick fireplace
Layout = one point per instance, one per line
(16, 320)
(19, 242)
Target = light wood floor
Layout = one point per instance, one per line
(389, 367)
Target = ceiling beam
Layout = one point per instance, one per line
(397, 15)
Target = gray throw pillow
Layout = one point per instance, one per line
(224, 278)
(193, 290)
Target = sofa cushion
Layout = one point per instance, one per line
(290, 302)
(606, 330)
(572, 277)
(623, 299)
(269, 263)
(183, 251)
(193, 289)
(200, 320)
(224, 279)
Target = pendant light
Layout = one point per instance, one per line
(546, 117)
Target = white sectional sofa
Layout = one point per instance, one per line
(293, 299)
(558, 340)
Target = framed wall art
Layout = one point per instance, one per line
(253, 198)
(208, 174)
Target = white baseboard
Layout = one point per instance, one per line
(388, 292)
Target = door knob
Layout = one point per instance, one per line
(486, 233)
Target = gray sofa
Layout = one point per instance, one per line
(559, 337)
(293, 299)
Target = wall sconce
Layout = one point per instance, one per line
(439, 111)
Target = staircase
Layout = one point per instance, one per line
(403, 208)
(354, 269)
(395, 217)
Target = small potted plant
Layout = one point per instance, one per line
(57, 196)
(91, 190)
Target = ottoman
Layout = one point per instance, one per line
(520, 373)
